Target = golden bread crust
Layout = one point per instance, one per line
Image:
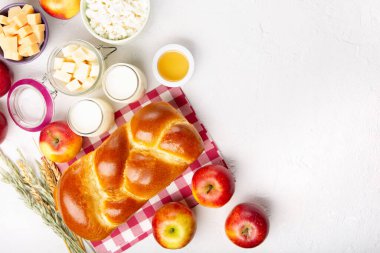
(105, 187)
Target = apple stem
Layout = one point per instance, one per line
(171, 230)
(209, 188)
(56, 140)
(245, 232)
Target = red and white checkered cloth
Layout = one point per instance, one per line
(139, 226)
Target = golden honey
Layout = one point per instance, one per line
(173, 66)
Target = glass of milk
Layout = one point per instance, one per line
(124, 83)
(90, 117)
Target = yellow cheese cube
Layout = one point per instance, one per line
(3, 20)
(2, 38)
(28, 50)
(62, 76)
(20, 20)
(29, 40)
(33, 49)
(27, 9)
(82, 72)
(18, 38)
(14, 11)
(22, 50)
(10, 44)
(10, 30)
(38, 28)
(40, 36)
(12, 55)
(24, 31)
(39, 31)
(34, 19)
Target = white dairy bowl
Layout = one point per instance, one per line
(83, 7)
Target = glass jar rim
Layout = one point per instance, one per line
(104, 84)
(48, 102)
(71, 125)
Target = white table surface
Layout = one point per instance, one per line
(289, 90)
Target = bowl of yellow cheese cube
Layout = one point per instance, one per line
(23, 33)
(75, 68)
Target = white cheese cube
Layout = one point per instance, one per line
(58, 63)
(68, 67)
(73, 85)
(68, 50)
(90, 56)
(79, 55)
(94, 70)
(82, 72)
(88, 83)
(62, 76)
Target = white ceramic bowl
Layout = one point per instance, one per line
(173, 47)
(83, 7)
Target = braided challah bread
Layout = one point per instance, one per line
(102, 189)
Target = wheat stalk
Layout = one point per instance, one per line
(48, 175)
(37, 194)
(54, 169)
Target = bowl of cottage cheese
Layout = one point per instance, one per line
(115, 21)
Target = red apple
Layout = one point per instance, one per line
(3, 127)
(213, 185)
(59, 143)
(247, 225)
(62, 9)
(174, 225)
(5, 79)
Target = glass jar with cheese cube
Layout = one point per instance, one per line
(23, 33)
(75, 68)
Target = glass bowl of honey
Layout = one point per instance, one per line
(173, 65)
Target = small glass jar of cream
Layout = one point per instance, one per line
(90, 117)
(124, 83)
